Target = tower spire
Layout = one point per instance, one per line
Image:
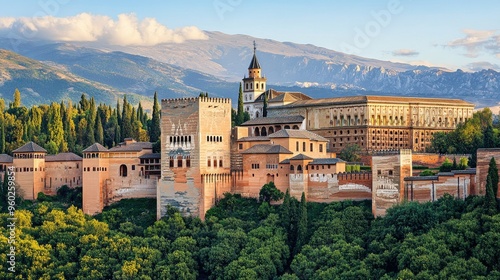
(254, 46)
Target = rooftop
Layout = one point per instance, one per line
(301, 157)
(150, 156)
(326, 161)
(377, 99)
(253, 138)
(30, 147)
(294, 133)
(266, 149)
(274, 120)
(130, 146)
(63, 157)
(5, 158)
(95, 148)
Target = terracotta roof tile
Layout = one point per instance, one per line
(30, 147)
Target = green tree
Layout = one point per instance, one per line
(489, 137)
(264, 108)
(490, 202)
(17, 99)
(269, 193)
(446, 166)
(99, 133)
(493, 174)
(241, 112)
(2, 133)
(154, 129)
(351, 153)
(55, 127)
(463, 164)
(301, 225)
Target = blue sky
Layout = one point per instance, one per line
(452, 34)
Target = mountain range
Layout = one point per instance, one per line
(46, 70)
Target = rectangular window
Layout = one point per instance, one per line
(240, 146)
(188, 162)
(220, 162)
(133, 167)
(320, 148)
(297, 146)
(215, 163)
(311, 147)
(209, 162)
(303, 146)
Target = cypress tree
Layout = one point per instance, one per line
(99, 134)
(489, 138)
(118, 113)
(3, 192)
(493, 174)
(240, 116)
(2, 133)
(118, 137)
(490, 201)
(17, 99)
(301, 225)
(154, 129)
(55, 127)
(264, 108)
(89, 134)
(126, 124)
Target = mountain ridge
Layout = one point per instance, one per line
(217, 65)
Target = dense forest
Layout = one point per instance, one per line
(245, 238)
(63, 127)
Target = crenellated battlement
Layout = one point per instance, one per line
(196, 99)
(354, 176)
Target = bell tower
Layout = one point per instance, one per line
(253, 85)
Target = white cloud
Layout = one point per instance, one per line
(405, 52)
(483, 65)
(85, 27)
(478, 40)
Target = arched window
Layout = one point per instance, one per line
(262, 86)
(123, 170)
(257, 86)
(271, 129)
(287, 127)
(299, 168)
(179, 161)
(291, 167)
(295, 127)
(263, 132)
(257, 131)
(257, 114)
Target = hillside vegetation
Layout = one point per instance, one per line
(245, 239)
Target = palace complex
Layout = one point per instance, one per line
(202, 156)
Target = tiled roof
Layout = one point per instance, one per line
(290, 97)
(282, 96)
(294, 133)
(95, 148)
(274, 120)
(326, 161)
(254, 64)
(63, 157)
(150, 156)
(266, 149)
(375, 98)
(132, 147)
(301, 157)
(5, 158)
(253, 138)
(30, 147)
